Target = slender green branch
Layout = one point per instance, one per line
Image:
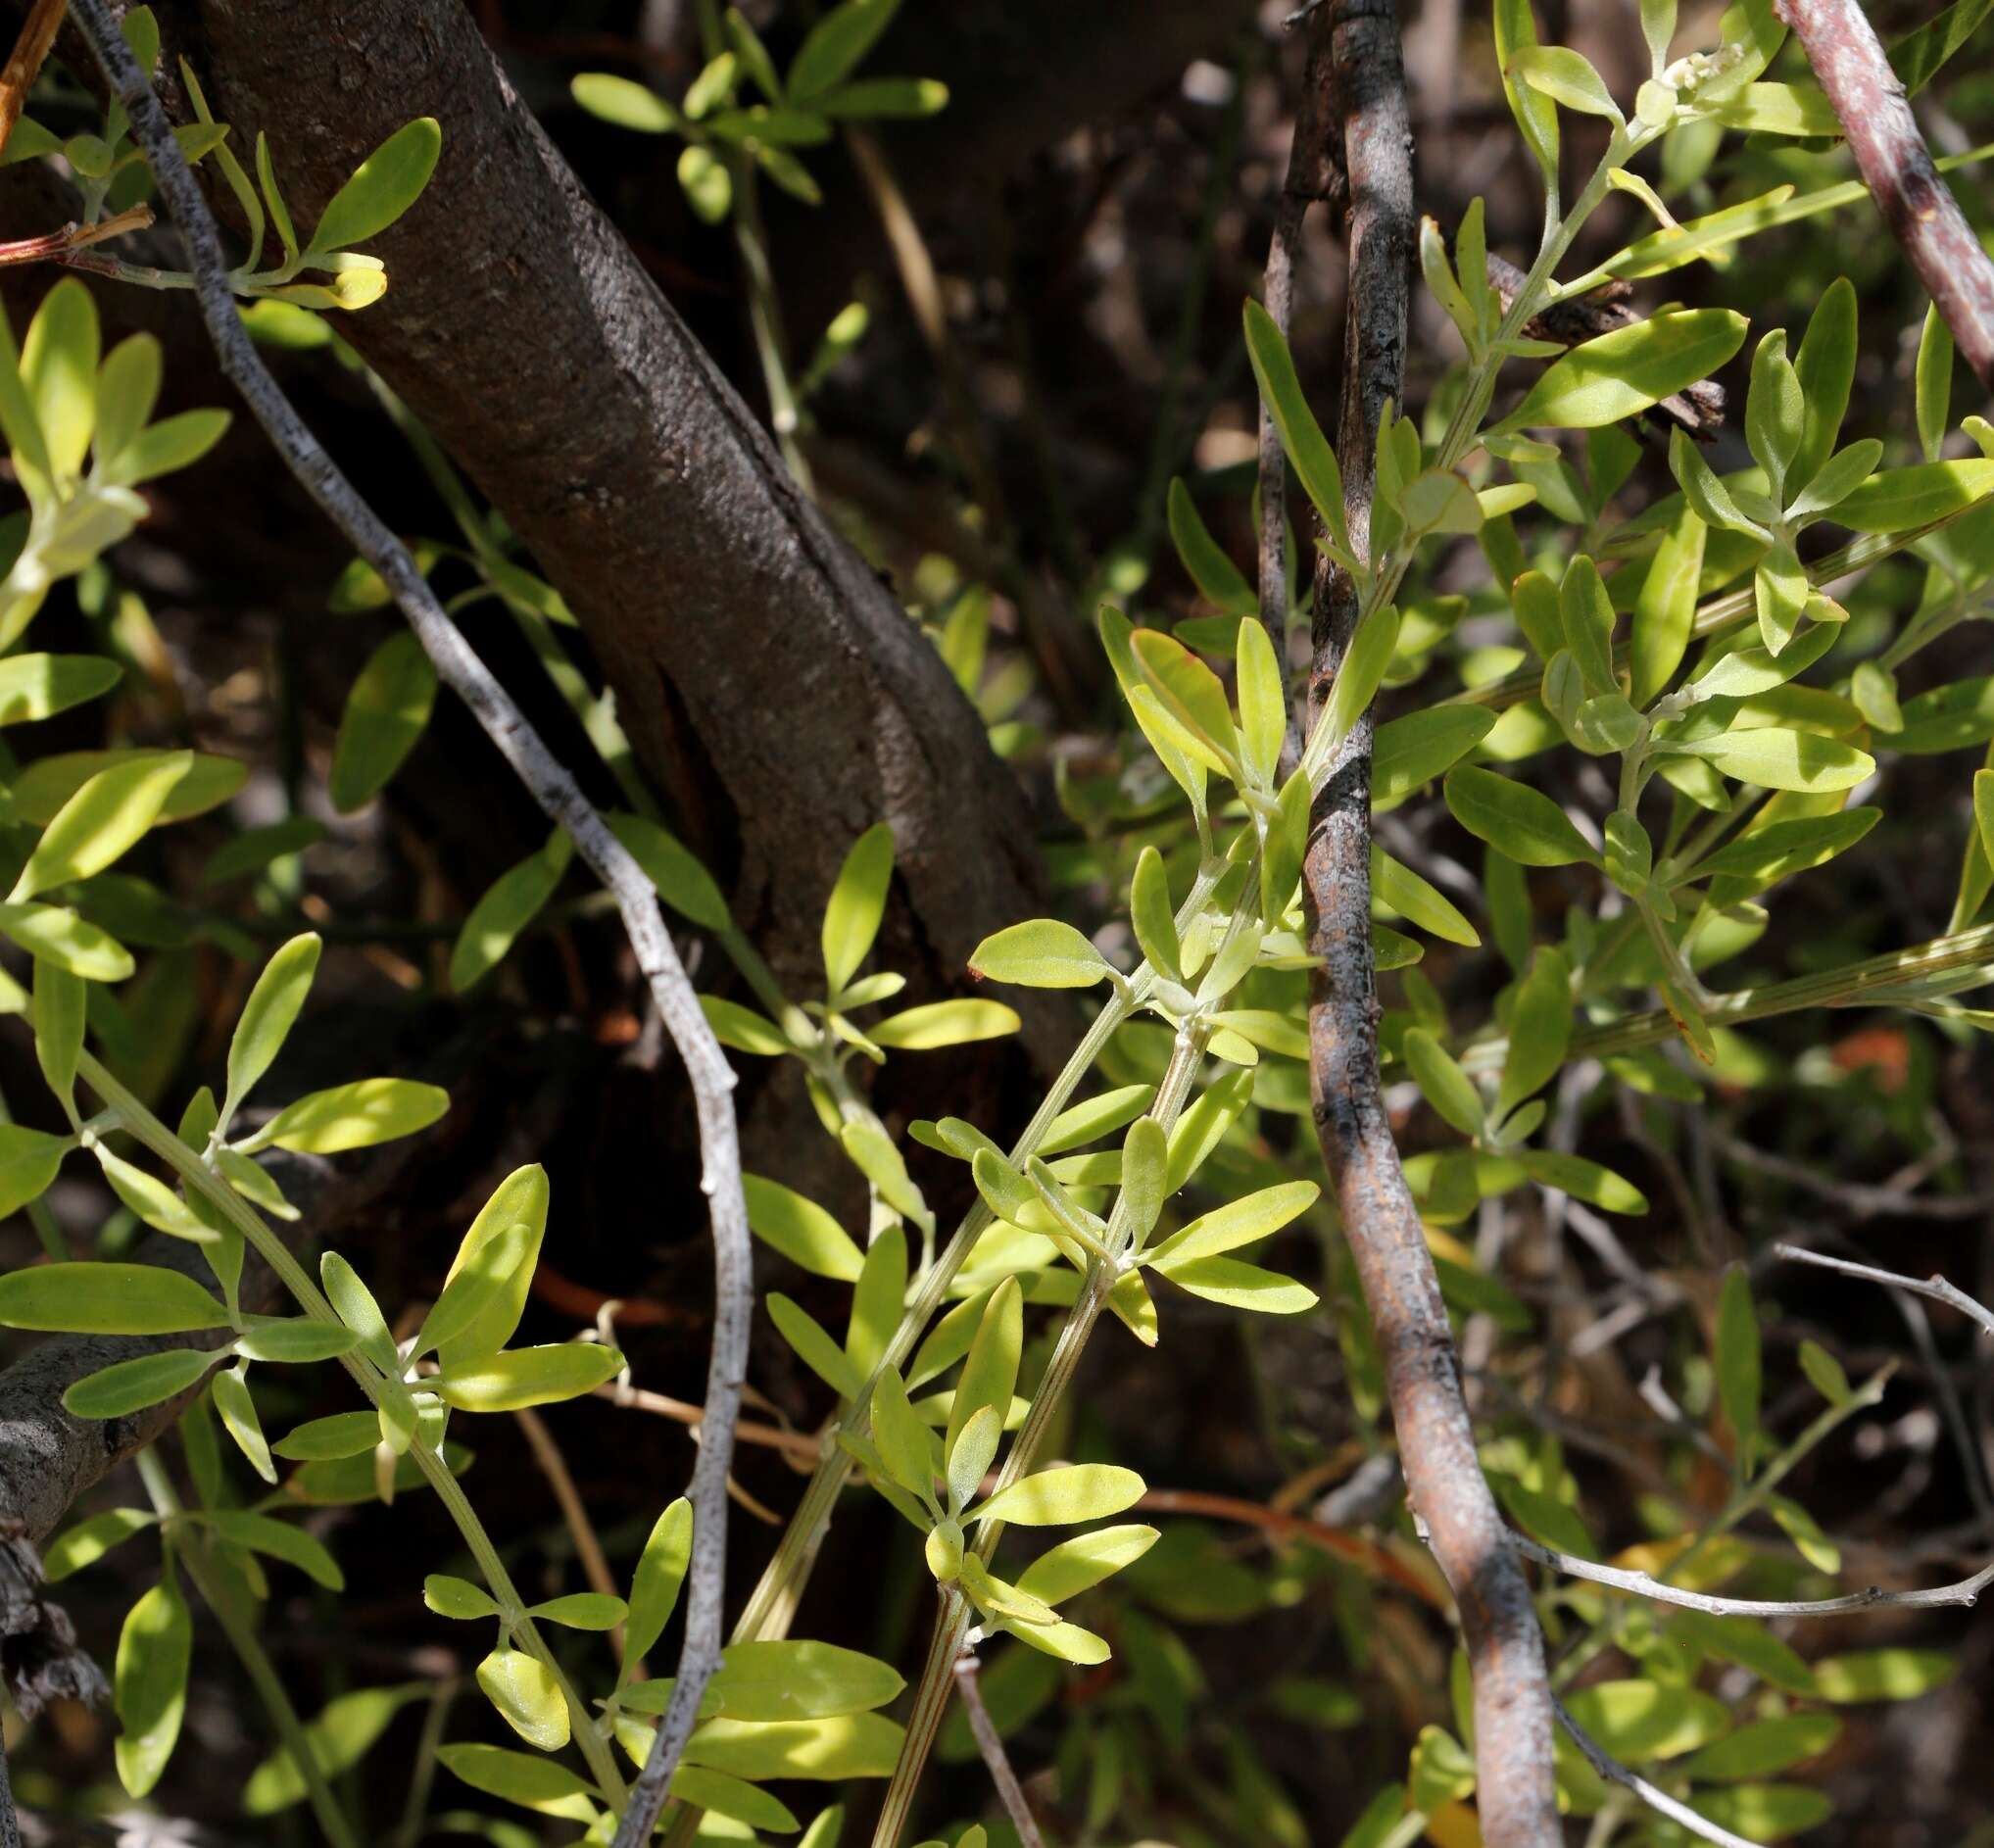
(191, 1550)
(379, 1388)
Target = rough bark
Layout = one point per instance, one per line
(770, 683)
(1897, 168)
(1514, 1793)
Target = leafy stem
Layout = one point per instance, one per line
(133, 1116)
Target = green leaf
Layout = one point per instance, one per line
(1764, 1812)
(258, 848)
(846, 1745)
(483, 1268)
(1241, 1286)
(509, 903)
(969, 1457)
(1774, 758)
(1065, 1497)
(1362, 672)
(59, 367)
(1152, 914)
(273, 198)
(944, 1023)
(1412, 751)
(267, 1017)
(1444, 1083)
(1737, 1363)
(1584, 1180)
(457, 1598)
(1664, 611)
(107, 1299)
(89, 1540)
(990, 1372)
(1540, 1030)
(801, 1229)
(1079, 1563)
(874, 1155)
(53, 934)
(1900, 499)
(902, 1438)
(628, 105)
(1557, 1524)
(1765, 853)
(1826, 368)
(383, 186)
(732, 1797)
(834, 46)
(166, 447)
(1515, 31)
(386, 712)
(48, 784)
(797, 1680)
(581, 1610)
(37, 686)
(57, 1012)
(236, 1408)
(151, 1684)
(816, 1349)
(682, 882)
(30, 1160)
(1774, 410)
(1216, 576)
(1145, 1167)
(1040, 954)
(1948, 718)
(339, 1736)
(1308, 450)
(527, 1696)
(1565, 78)
(520, 1377)
(901, 99)
(326, 1439)
(521, 1199)
(1746, 671)
(279, 1540)
(1263, 700)
(1638, 1722)
(857, 902)
(110, 812)
(1521, 823)
(1746, 1642)
(1621, 373)
(130, 1385)
(1191, 696)
(1882, 1674)
(1934, 383)
(1586, 619)
(659, 1575)
(1418, 902)
(355, 1305)
(356, 1115)
(1782, 108)
(707, 185)
(1242, 1222)
(533, 1783)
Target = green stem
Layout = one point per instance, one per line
(379, 1388)
(764, 318)
(931, 1698)
(191, 1549)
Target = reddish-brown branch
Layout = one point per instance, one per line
(1896, 166)
(1512, 1716)
(1294, 1527)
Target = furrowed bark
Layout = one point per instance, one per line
(1513, 1717)
(771, 684)
(1897, 168)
